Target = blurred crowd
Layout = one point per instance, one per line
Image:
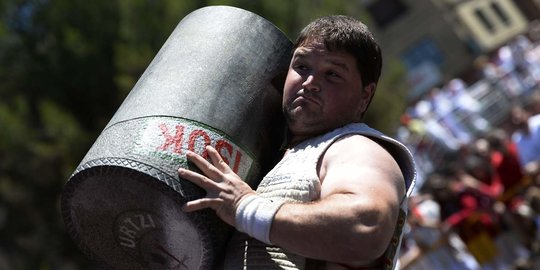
(477, 149)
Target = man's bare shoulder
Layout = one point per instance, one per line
(358, 158)
(358, 148)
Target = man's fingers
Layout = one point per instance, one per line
(198, 179)
(206, 167)
(199, 204)
(217, 160)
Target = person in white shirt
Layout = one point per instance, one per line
(526, 135)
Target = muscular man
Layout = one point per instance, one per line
(337, 199)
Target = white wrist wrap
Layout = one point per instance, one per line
(254, 216)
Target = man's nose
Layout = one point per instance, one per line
(311, 83)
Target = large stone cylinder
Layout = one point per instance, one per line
(216, 81)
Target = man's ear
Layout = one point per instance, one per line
(369, 91)
(367, 95)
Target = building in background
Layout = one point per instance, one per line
(488, 23)
(437, 40)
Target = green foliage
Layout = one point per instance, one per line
(65, 67)
(143, 28)
(389, 101)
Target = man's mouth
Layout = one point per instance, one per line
(308, 99)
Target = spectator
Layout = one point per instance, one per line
(465, 106)
(443, 107)
(473, 218)
(503, 155)
(526, 135)
(534, 103)
(430, 247)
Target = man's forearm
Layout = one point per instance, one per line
(340, 228)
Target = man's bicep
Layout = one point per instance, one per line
(358, 166)
(361, 181)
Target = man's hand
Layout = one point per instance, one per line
(224, 188)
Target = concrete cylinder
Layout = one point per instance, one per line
(216, 81)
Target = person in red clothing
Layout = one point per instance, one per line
(460, 198)
(467, 206)
(478, 171)
(505, 161)
(516, 182)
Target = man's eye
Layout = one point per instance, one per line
(333, 74)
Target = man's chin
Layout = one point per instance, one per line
(304, 128)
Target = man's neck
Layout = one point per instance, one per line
(295, 139)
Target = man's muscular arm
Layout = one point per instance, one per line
(353, 221)
(355, 218)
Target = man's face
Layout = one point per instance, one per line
(323, 90)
